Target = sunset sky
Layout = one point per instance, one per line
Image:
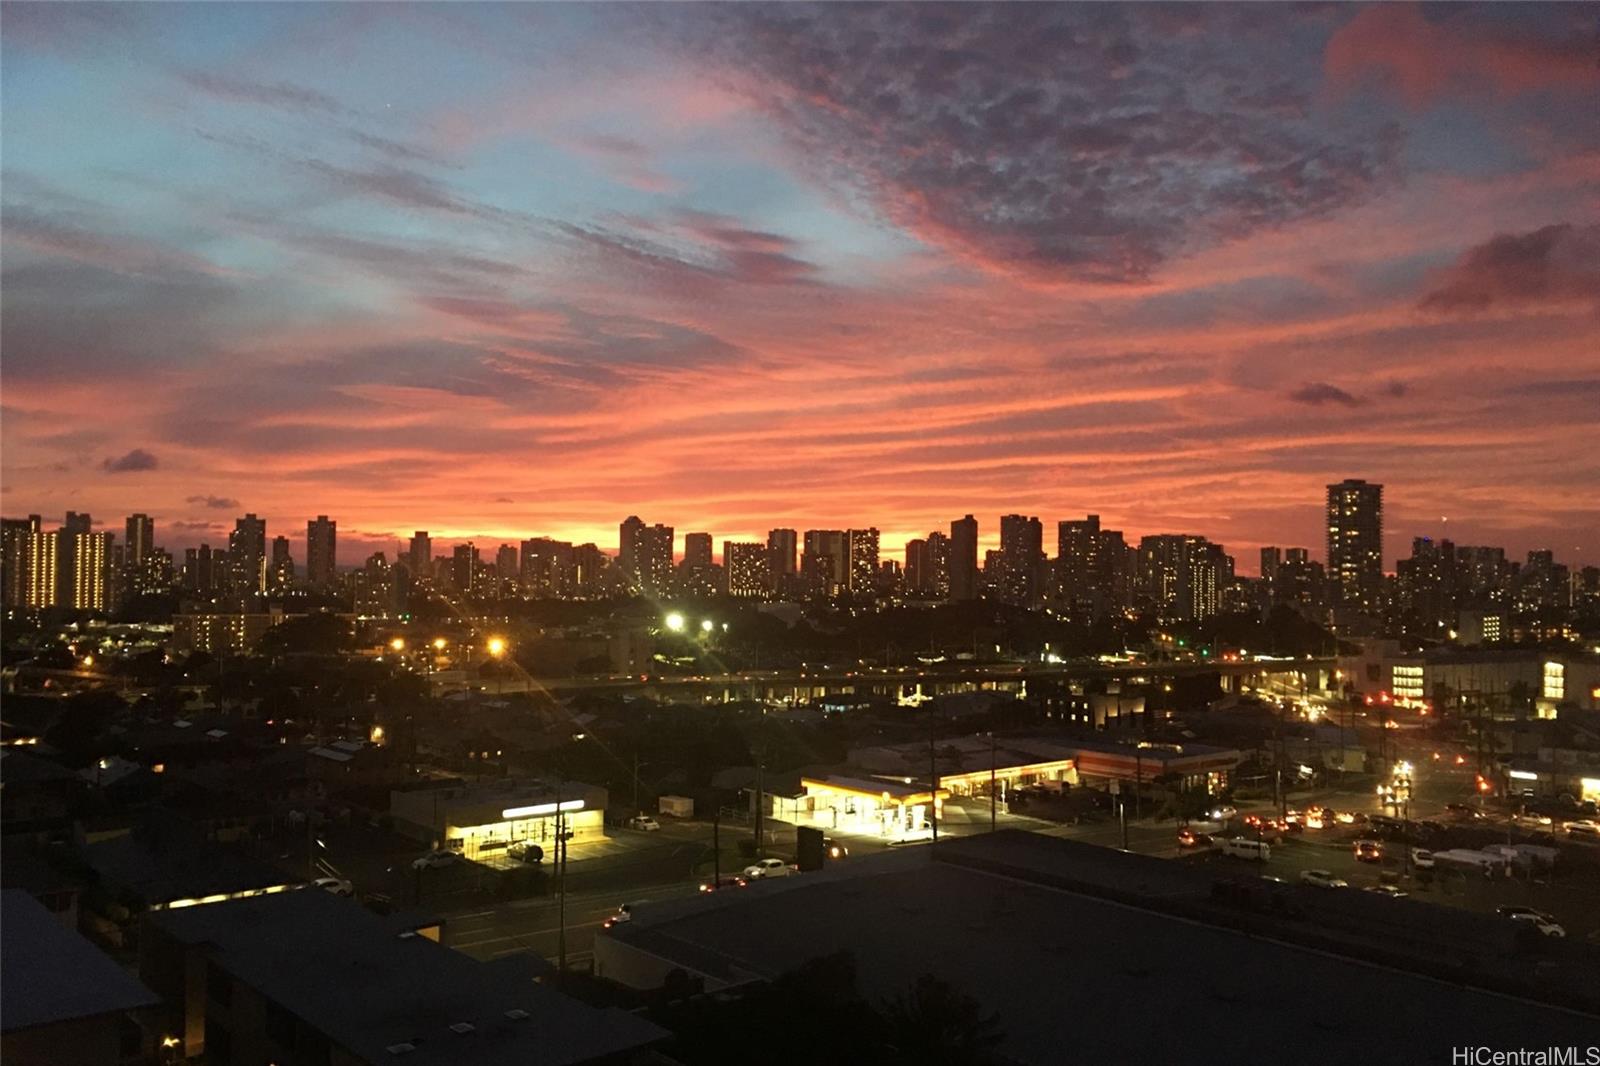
(511, 270)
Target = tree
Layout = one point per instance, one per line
(932, 1024)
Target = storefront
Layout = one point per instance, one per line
(861, 805)
(483, 820)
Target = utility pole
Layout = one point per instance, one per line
(993, 798)
(636, 809)
(716, 846)
(760, 802)
(561, 885)
(933, 775)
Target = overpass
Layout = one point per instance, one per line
(1307, 673)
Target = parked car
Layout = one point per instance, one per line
(526, 851)
(643, 822)
(768, 868)
(1392, 891)
(1368, 851)
(435, 859)
(1322, 879)
(339, 886)
(1422, 858)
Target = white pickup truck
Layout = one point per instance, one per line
(769, 868)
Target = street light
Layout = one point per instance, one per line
(496, 646)
(439, 643)
(707, 626)
(675, 622)
(398, 644)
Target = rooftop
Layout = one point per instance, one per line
(1070, 973)
(368, 987)
(52, 974)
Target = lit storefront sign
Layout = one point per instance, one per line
(539, 809)
(1522, 775)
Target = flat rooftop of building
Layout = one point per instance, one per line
(163, 860)
(51, 974)
(1075, 976)
(366, 986)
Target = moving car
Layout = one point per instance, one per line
(643, 822)
(623, 914)
(1247, 849)
(768, 868)
(339, 886)
(1422, 858)
(435, 859)
(1224, 813)
(725, 881)
(1188, 838)
(1519, 913)
(1540, 922)
(833, 849)
(1368, 851)
(1322, 879)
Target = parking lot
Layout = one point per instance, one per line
(1568, 891)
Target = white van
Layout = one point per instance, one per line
(1259, 850)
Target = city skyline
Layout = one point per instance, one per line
(599, 260)
(886, 545)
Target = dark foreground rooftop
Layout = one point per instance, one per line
(1077, 977)
(368, 985)
(52, 974)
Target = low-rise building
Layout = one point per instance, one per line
(61, 999)
(485, 818)
(307, 977)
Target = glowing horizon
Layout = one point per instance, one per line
(526, 270)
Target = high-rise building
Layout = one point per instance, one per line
(139, 536)
(33, 555)
(506, 570)
(782, 558)
(825, 561)
(645, 556)
(247, 554)
(697, 553)
(322, 534)
(915, 579)
(421, 554)
(1271, 559)
(1428, 587)
(90, 557)
(1355, 544)
(66, 580)
(15, 534)
(1183, 577)
(374, 588)
(280, 572)
(1020, 560)
(862, 564)
(964, 558)
(549, 568)
(1092, 571)
(745, 568)
(464, 568)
